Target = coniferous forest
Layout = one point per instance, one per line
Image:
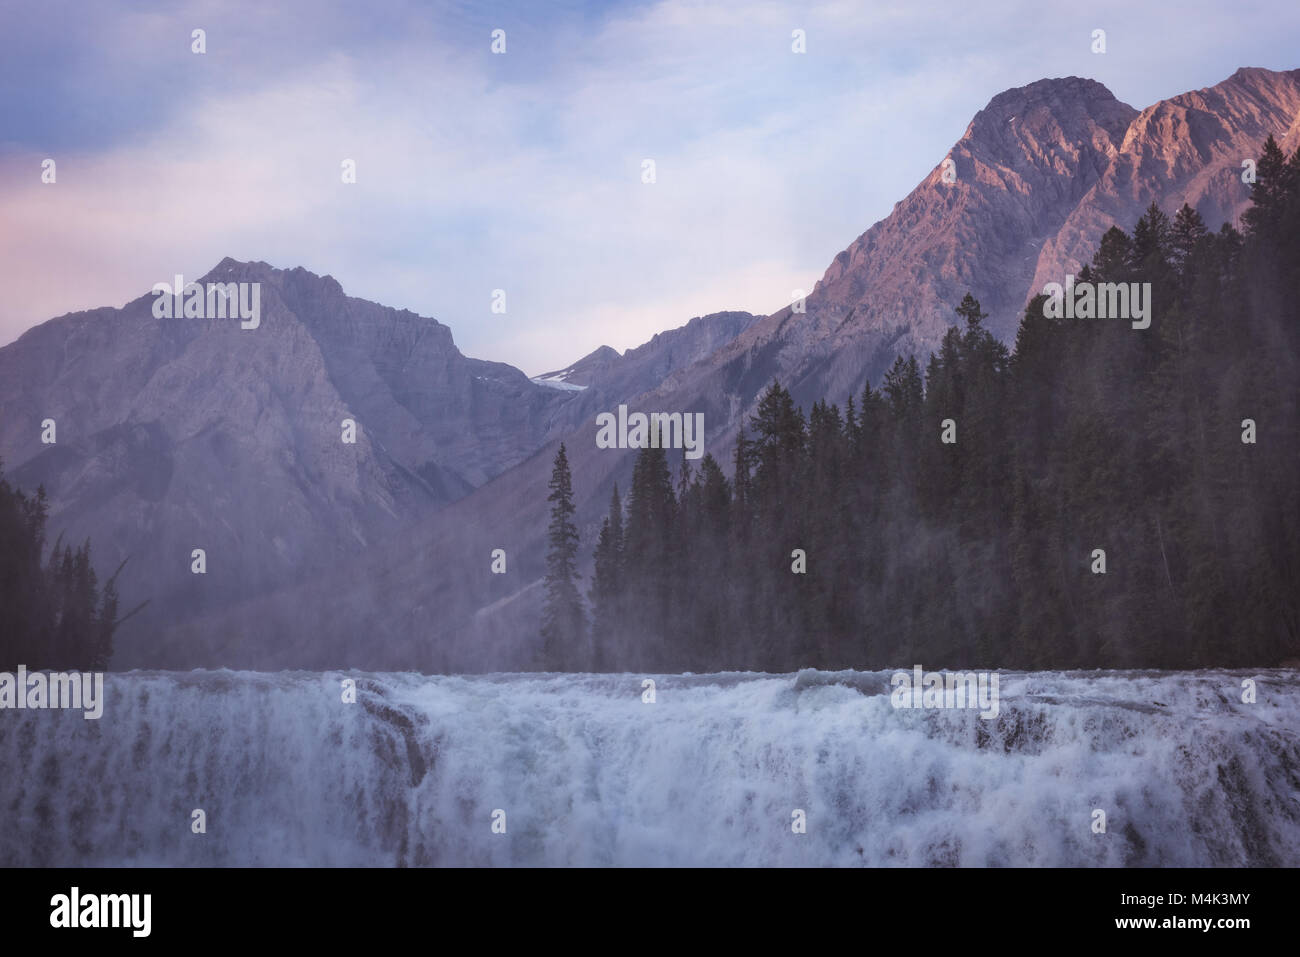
(54, 615)
(1107, 497)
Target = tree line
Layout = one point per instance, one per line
(54, 614)
(1098, 496)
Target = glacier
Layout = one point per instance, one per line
(710, 774)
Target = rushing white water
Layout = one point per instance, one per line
(709, 774)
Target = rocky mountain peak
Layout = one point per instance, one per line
(1069, 108)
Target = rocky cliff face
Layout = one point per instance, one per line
(1040, 174)
(184, 433)
(1187, 149)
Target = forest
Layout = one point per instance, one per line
(1097, 496)
(54, 615)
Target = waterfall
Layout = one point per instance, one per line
(713, 772)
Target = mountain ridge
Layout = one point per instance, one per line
(179, 434)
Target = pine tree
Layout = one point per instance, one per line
(564, 618)
(743, 484)
(1113, 261)
(778, 438)
(969, 310)
(648, 556)
(1269, 194)
(607, 587)
(1151, 238)
(24, 613)
(1186, 237)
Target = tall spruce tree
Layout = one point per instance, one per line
(1186, 237)
(648, 557)
(607, 587)
(564, 619)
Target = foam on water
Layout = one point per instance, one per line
(708, 775)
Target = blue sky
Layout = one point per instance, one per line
(522, 171)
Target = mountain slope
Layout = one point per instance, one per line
(1041, 173)
(176, 434)
(1187, 149)
(609, 380)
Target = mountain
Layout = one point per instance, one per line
(583, 372)
(604, 378)
(1187, 149)
(1040, 174)
(185, 433)
(649, 364)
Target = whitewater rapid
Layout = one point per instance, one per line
(711, 773)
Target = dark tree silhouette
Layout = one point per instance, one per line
(564, 622)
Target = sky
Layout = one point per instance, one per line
(524, 170)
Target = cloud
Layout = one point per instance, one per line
(523, 171)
